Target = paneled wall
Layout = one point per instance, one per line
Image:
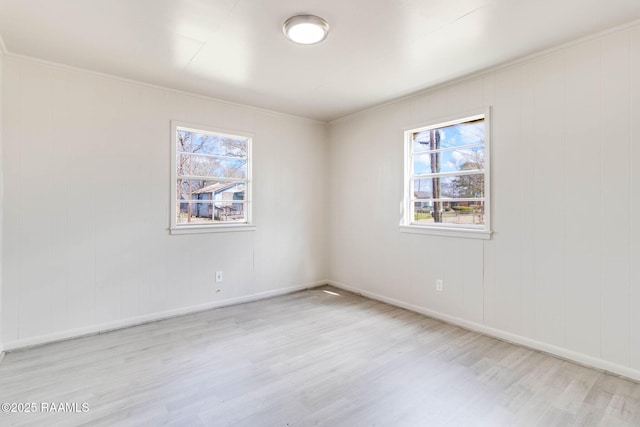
(562, 270)
(86, 205)
(85, 163)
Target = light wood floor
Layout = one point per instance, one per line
(309, 358)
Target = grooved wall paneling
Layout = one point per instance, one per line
(561, 268)
(86, 202)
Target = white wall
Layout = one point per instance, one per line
(86, 205)
(1, 195)
(562, 271)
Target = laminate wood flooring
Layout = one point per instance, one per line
(305, 359)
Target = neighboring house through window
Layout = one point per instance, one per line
(211, 182)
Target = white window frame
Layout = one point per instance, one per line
(407, 223)
(246, 225)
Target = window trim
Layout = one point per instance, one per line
(448, 230)
(247, 225)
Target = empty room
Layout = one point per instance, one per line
(319, 213)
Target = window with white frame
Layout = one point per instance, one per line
(211, 179)
(447, 176)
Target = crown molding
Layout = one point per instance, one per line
(492, 69)
(72, 68)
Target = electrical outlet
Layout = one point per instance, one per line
(218, 276)
(439, 285)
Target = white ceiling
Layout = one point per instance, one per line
(377, 50)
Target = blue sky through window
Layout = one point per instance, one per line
(454, 140)
(217, 145)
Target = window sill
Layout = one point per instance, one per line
(195, 229)
(447, 232)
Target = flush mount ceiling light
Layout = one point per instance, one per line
(305, 29)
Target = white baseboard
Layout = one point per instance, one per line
(152, 317)
(563, 353)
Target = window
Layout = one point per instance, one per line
(211, 180)
(447, 177)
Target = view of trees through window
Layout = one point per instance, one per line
(212, 177)
(448, 174)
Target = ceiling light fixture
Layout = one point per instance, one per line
(305, 29)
